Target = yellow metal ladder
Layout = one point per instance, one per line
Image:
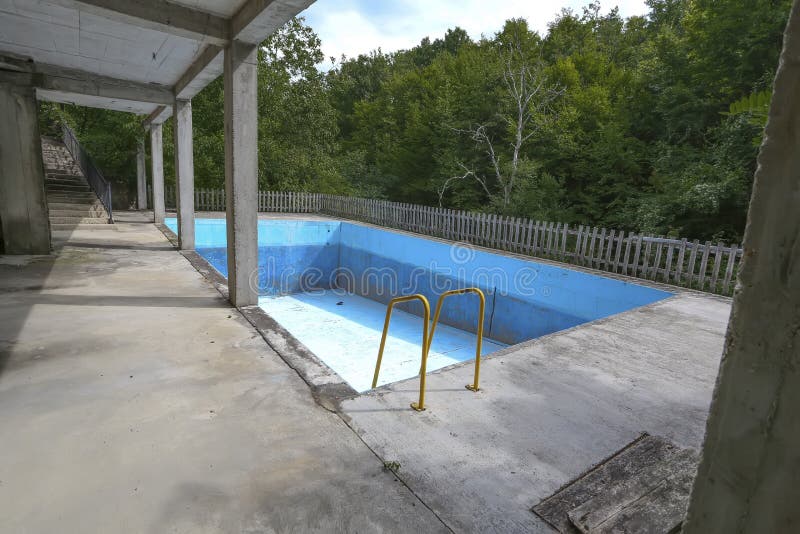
(419, 406)
(427, 339)
(479, 329)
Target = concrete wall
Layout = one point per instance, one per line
(749, 476)
(23, 205)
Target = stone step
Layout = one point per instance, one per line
(65, 181)
(68, 167)
(72, 193)
(78, 220)
(83, 193)
(60, 227)
(71, 181)
(64, 176)
(86, 198)
(67, 187)
(77, 205)
(82, 181)
(80, 213)
(63, 173)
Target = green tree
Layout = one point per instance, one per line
(653, 128)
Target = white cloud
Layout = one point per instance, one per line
(353, 27)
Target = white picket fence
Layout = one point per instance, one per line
(708, 266)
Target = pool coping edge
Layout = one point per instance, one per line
(327, 387)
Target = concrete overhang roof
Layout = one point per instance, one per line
(130, 55)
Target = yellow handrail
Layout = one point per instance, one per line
(474, 386)
(419, 406)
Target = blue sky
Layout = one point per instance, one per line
(352, 27)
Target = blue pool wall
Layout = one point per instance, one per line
(524, 299)
(292, 255)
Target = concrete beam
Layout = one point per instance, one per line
(747, 479)
(257, 19)
(158, 116)
(184, 173)
(17, 63)
(157, 161)
(113, 104)
(159, 15)
(141, 176)
(64, 80)
(206, 68)
(23, 204)
(254, 22)
(241, 171)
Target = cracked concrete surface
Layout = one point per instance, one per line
(548, 410)
(133, 398)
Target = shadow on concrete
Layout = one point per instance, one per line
(20, 278)
(108, 246)
(125, 300)
(26, 281)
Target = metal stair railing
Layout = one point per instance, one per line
(95, 179)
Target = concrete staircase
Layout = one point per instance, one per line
(70, 200)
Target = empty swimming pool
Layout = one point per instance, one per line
(328, 282)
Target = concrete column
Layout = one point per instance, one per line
(184, 173)
(157, 159)
(141, 176)
(749, 473)
(23, 204)
(241, 171)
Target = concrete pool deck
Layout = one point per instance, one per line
(549, 410)
(135, 399)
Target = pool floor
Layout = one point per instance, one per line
(344, 331)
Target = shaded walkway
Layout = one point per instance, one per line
(134, 399)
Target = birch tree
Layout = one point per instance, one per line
(528, 100)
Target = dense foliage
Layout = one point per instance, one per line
(647, 123)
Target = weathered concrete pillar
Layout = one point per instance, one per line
(241, 171)
(748, 477)
(184, 173)
(23, 204)
(141, 177)
(157, 160)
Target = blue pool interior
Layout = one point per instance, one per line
(328, 282)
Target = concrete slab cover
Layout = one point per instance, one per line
(626, 493)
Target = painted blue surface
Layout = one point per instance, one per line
(293, 256)
(344, 331)
(525, 298)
